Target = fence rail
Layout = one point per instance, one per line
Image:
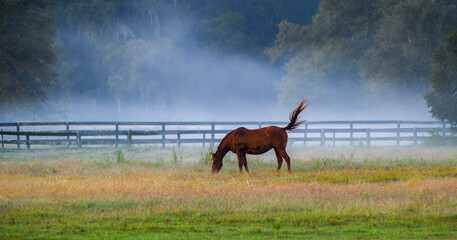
(75, 135)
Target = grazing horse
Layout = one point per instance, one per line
(241, 141)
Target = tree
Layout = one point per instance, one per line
(144, 68)
(94, 33)
(94, 37)
(398, 63)
(289, 39)
(27, 52)
(319, 58)
(362, 53)
(442, 100)
(248, 26)
(227, 33)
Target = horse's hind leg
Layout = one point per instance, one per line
(242, 161)
(278, 156)
(286, 158)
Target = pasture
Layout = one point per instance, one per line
(144, 193)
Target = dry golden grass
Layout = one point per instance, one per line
(140, 184)
(328, 189)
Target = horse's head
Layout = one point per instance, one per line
(216, 164)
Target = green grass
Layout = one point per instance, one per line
(132, 219)
(159, 194)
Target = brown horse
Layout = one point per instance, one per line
(241, 141)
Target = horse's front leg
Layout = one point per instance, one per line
(242, 161)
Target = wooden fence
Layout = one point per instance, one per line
(76, 135)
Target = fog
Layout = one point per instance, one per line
(171, 73)
(204, 87)
(214, 88)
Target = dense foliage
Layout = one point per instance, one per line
(152, 53)
(443, 98)
(26, 54)
(158, 54)
(359, 52)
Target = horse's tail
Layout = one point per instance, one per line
(294, 116)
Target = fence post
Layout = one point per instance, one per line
(117, 135)
(415, 136)
(78, 140)
(129, 138)
(179, 140)
(163, 136)
(443, 130)
(322, 137)
(368, 138)
(305, 135)
(351, 133)
(334, 139)
(260, 124)
(398, 133)
(18, 129)
(27, 137)
(204, 139)
(212, 134)
(3, 144)
(67, 128)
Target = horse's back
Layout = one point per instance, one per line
(258, 141)
(277, 135)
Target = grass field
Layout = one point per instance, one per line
(144, 193)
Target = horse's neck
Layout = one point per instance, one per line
(222, 149)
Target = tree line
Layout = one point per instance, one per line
(354, 53)
(340, 54)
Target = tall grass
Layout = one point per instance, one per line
(205, 158)
(152, 193)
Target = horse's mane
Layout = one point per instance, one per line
(294, 116)
(223, 145)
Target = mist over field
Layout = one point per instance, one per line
(204, 87)
(221, 60)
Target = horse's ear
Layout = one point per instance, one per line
(212, 154)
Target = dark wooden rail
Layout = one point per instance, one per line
(75, 135)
